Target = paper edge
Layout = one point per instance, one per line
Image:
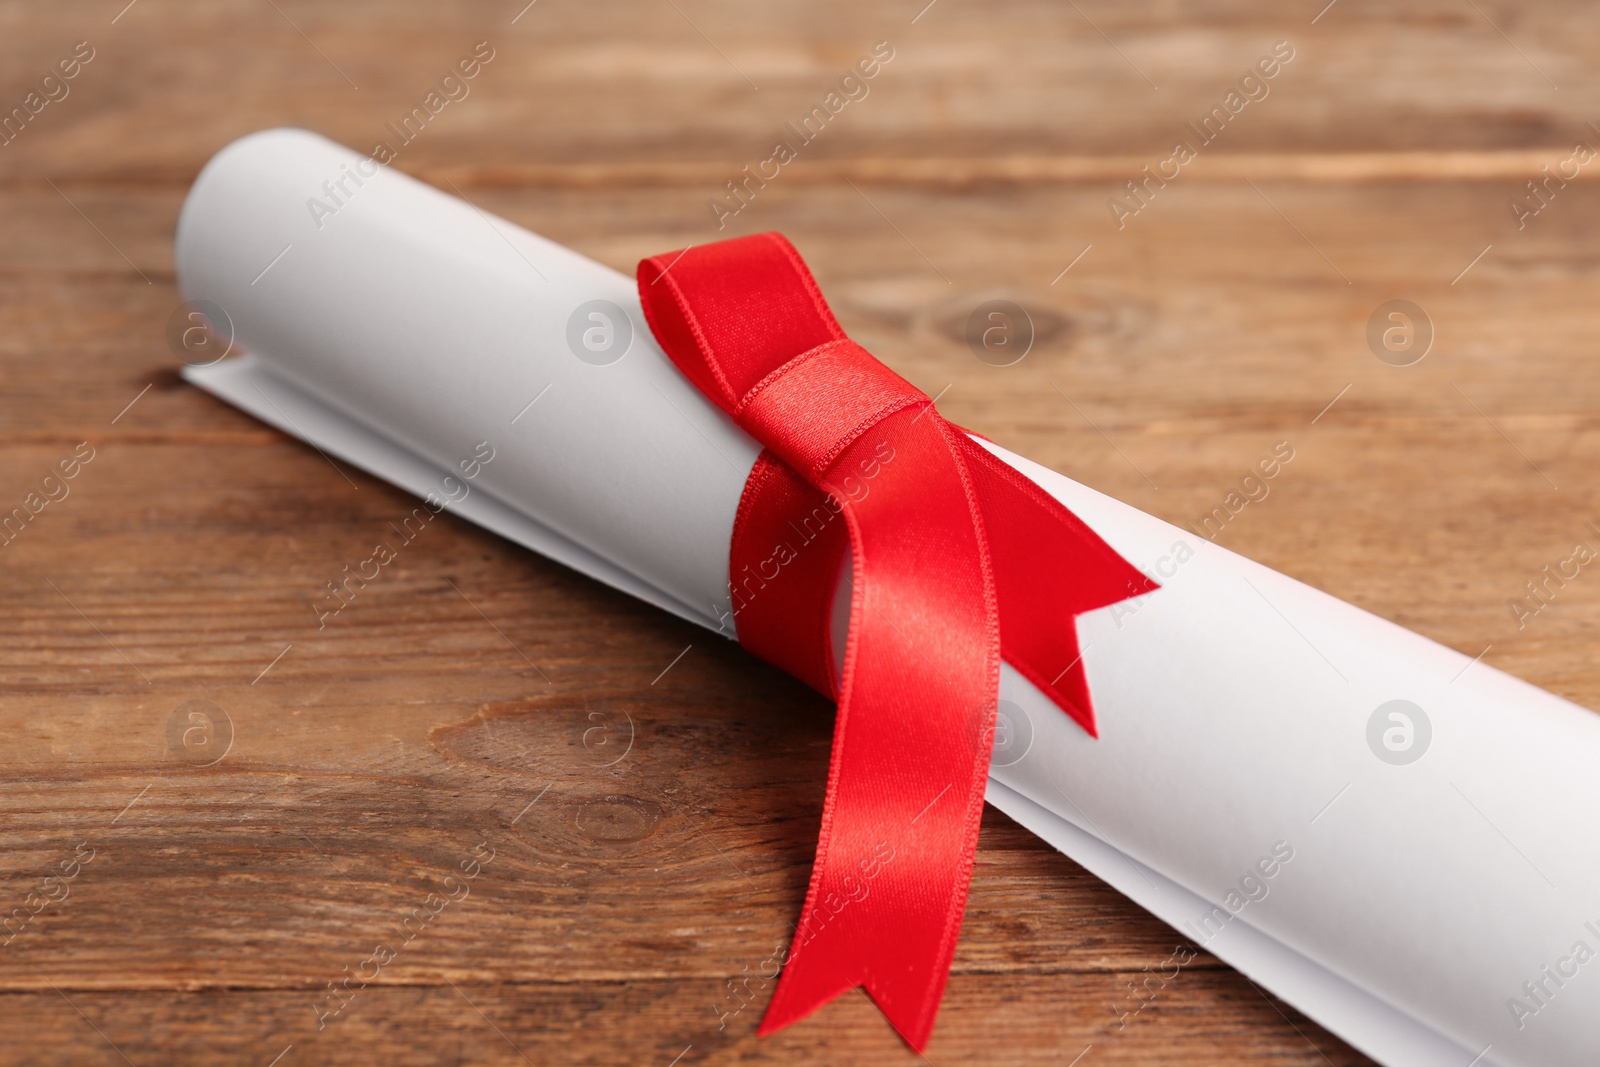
(1378, 1029)
(248, 383)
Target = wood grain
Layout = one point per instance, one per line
(478, 696)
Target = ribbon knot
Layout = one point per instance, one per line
(836, 389)
(955, 561)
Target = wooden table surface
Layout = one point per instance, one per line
(474, 701)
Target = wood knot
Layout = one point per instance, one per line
(618, 819)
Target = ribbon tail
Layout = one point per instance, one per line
(909, 1002)
(1049, 567)
(911, 738)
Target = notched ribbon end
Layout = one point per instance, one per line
(911, 1014)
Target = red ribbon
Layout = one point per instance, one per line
(957, 560)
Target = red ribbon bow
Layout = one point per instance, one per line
(957, 560)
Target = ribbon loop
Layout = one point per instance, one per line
(956, 559)
(731, 312)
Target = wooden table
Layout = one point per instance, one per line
(475, 698)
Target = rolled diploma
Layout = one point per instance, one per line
(1421, 902)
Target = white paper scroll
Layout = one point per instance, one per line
(1250, 783)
